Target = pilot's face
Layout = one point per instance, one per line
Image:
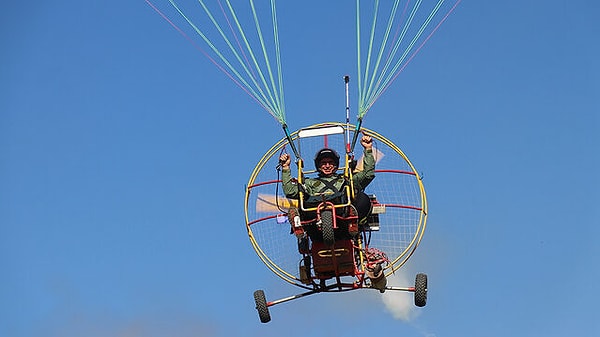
(327, 166)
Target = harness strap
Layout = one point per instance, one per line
(329, 185)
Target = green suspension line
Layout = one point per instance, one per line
(374, 78)
(268, 93)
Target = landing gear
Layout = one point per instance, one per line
(327, 227)
(421, 290)
(261, 306)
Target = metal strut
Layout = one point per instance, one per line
(356, 132)
(346, 80)
(290, 141)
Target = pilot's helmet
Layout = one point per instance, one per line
(327, 153)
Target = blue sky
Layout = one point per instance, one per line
(124, 155)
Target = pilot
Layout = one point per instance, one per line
(327, 162)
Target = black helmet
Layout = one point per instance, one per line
(327, 153)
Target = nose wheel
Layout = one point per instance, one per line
(327, 227)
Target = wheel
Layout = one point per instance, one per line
(421, 290)
(327, 227)
(261, 306)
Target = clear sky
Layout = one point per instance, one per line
(124, 153)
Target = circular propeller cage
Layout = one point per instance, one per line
(397, 187)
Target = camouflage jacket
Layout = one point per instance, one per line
(321, 184)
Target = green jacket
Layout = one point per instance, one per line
(313, 185)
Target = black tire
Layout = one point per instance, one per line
(327, 227)
(261, 306)
(421, 290)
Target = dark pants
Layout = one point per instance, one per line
(362, 203)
